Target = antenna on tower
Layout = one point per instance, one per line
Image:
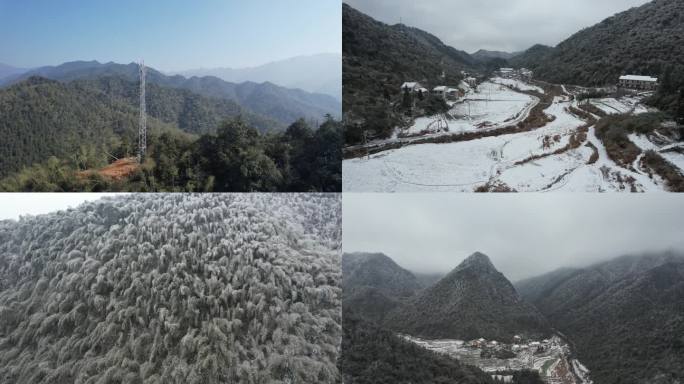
(142, 130)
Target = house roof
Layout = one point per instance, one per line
(410, 85)
(441, 88)
(639, 78)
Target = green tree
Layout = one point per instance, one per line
(237, 159)
(680, 109)
(407, 99)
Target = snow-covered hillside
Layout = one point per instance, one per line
(562, 155)
(173, 288)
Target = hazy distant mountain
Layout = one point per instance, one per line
(320, 73)
(484, 55)
(8, 70)
(625, 317)
(474, 300)
(271, 101)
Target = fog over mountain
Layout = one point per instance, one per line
(525, 235)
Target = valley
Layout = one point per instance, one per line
(599, 112)
(612, 321)
(492, 140)
(552, 358)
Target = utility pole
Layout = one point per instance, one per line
(142, 129)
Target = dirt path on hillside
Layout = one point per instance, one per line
(118, 170)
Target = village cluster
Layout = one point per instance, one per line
(550, 357)
(470, 81)
(519, 344)
(444, 91)
(489, 347)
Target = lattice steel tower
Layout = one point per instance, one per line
(142, 130)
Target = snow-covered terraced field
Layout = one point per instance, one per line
(491, 106)
(614, 106)
(465, 166)
(521, 85)
(675, 158)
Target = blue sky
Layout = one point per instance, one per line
(170, 34)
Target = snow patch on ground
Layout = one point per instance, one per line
(613, 106)
(490, 106)
(517, 84)
(675, 158)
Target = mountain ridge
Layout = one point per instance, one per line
(271, 101)
(310, 73)
(624, 316)
(373, 284)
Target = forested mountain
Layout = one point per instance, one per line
(185, 109)
(53, 130)
(625, 317)
(536, 288)
(271, 101)
(648, 40)
(43, 118)
(373, 355)
(474, 300)
(235, 159)
(321, 73)
(373, 285)
(533, 57)
(98, 113)
(379, 58)
(378, 271)
(181, 288)
(484, 55)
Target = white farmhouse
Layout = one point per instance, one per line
(645, 83)
(471, 81)
(440, 91)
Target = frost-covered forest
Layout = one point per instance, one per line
(174, 288)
